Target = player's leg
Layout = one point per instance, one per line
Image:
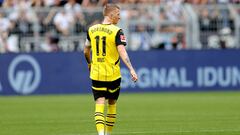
(99, 92)
(99, 115)
(111, 115)
(112, 95)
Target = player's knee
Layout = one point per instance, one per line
(112, 101)
(100, 100)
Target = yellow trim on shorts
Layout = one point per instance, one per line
(100, 89)
(114, 90)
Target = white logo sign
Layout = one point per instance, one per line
(24, 81)
(179, 77)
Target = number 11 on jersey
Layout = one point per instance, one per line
(103, 45)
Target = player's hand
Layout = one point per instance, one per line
(134, 75)
(89, 67)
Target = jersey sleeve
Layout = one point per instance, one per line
(120, 38)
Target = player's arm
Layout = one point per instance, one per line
(121, 42)
(124, 56)
(87, 51)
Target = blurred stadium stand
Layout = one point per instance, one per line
(33, 25)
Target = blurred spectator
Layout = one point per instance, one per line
(149, 23)
(224, 13)
(93, 17)
(5, 27)
(49, 3)
(168, 41)
(37, 3)
(177, 42)
(138, 15)
(64, 22)
(212, 19)
(171, 17)
(223, 40)
(204, 19)
(3, 44)
(74, 8)
(226, 39)
(142, 39)
(23, 16)
(22, 21)
(47, 20)
(51, 43)
(174, 10)
(235, 1)
(144, 14)
(9, 3)
(94, 3)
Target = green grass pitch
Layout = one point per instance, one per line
(185, 113)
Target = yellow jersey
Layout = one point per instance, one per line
(105, 61)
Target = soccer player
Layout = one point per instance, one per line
(105, 44)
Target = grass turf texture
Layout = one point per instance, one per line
(206, 113)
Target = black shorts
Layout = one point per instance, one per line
(109, 90)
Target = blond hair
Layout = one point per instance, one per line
(108, 8)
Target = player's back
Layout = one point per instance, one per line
(105, 57)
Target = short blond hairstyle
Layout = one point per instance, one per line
(108, 8)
